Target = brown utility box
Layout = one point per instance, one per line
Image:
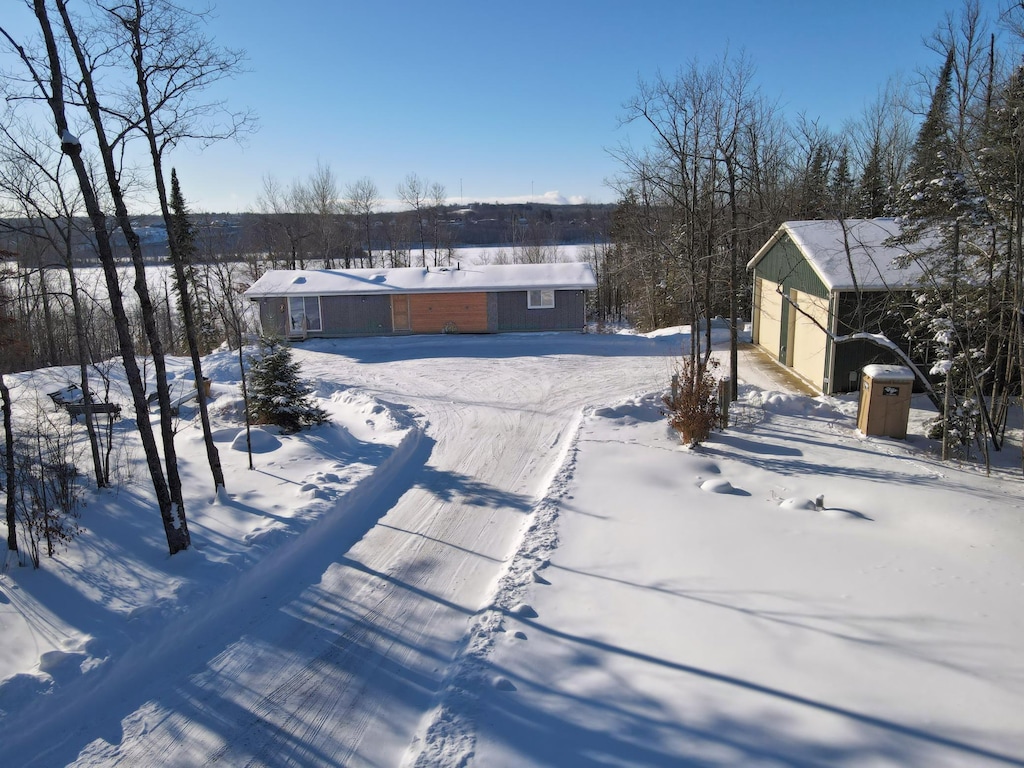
(885, 400)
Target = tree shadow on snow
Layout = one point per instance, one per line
(733, 440)
(644, 732)
(498, 346)
(455, 486)
(93, 707)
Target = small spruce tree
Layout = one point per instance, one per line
(276, 393)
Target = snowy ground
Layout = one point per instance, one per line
(498, 555)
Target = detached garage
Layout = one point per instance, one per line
(816, 280)
(299, 304)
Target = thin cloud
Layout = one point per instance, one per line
(554, 197)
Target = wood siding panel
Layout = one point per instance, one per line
(477, 312)
(400, 313)
(448, 312)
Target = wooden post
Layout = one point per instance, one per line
(724, 398)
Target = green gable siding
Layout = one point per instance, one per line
(786, 265)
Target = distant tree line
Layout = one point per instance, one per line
(371, 239)
(317, 224)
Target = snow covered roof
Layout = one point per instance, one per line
(475, 278)
(823, 245)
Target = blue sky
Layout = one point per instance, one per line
(505, 101)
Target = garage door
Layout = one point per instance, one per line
(769, 316)
(448, 312)
(809, 340)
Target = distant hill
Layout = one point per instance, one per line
(474, 224)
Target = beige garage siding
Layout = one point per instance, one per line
(769, 316)
(808, 344)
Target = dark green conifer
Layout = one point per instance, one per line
(276, 393)
(871, 195)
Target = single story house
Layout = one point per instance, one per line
(845, 277)
(299, 304)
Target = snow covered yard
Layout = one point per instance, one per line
(498, 555)
(697, 608)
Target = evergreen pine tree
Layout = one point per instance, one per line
(183, 232)
(938, 195)
(870, 197)
(276, 393)
(1001, 176)
(937, 210)
(1001, 161)
(841, 186)
(815, 192)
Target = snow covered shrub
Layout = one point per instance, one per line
(276, 394)
(46, 492)
(692, 405)
(959, 427)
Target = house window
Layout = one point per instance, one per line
(304, 313)
(540, 299)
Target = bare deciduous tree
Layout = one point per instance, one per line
(362, 199)
(144, 42)
(413, 191)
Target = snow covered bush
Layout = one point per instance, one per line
(961, 422)
(276, 394)
(46, 491)
(692, 405)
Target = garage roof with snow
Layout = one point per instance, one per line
(872, 256)
(477, 278)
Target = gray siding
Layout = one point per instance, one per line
(355, 315)
(568, 314)
(371, 315)
(492, 313)
(272, 316)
